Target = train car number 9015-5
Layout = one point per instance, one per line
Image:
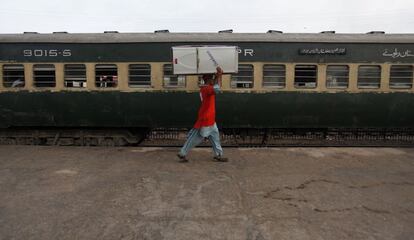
(47, 53)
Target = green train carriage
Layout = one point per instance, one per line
(122, 85)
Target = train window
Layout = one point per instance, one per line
(139, 75)
(274, 76)
(171, 80)
(369, 76)
(244, 78)
(337, 76)
(106, 75)
(75, 75)
(13, 75)
(401, 76)
(306, 76)
(44, 75)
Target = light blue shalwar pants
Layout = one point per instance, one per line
(196, 136)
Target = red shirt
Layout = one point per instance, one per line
(207, 112)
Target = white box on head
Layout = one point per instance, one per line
(204, 59)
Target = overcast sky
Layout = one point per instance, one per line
(344, 16)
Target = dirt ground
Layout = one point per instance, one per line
(266, 193)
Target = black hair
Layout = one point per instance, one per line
(207, 77)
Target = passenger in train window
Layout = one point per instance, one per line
(108, 81)
(17, 83)
(205, 126)
(103, 81)
(114, 81)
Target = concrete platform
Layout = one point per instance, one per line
(143, 193)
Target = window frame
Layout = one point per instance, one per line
(100, 84)
(36, 82)
(295, 76)
(182, 78)
(391, 86)
(359, 76)
(338, 76)
(131, 83)
(5, 83)
(65, 81)
(235, 76)
(276, 76)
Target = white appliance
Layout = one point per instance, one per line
(204, 59)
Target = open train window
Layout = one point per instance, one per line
(44, 75)
(337, 76)
(244, 78)
(369, 76)
(171, 80)
(274, 75)
(306, 76)
(75, 75)
(13, 75)
(139, 75)
(106, 75)
(401, 76)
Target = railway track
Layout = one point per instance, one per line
(175, 137)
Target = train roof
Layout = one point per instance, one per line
(204, 37)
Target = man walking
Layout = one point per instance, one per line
(205, 126)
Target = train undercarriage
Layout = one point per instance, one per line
(230, 137)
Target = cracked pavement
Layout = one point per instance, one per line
(262, 193)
